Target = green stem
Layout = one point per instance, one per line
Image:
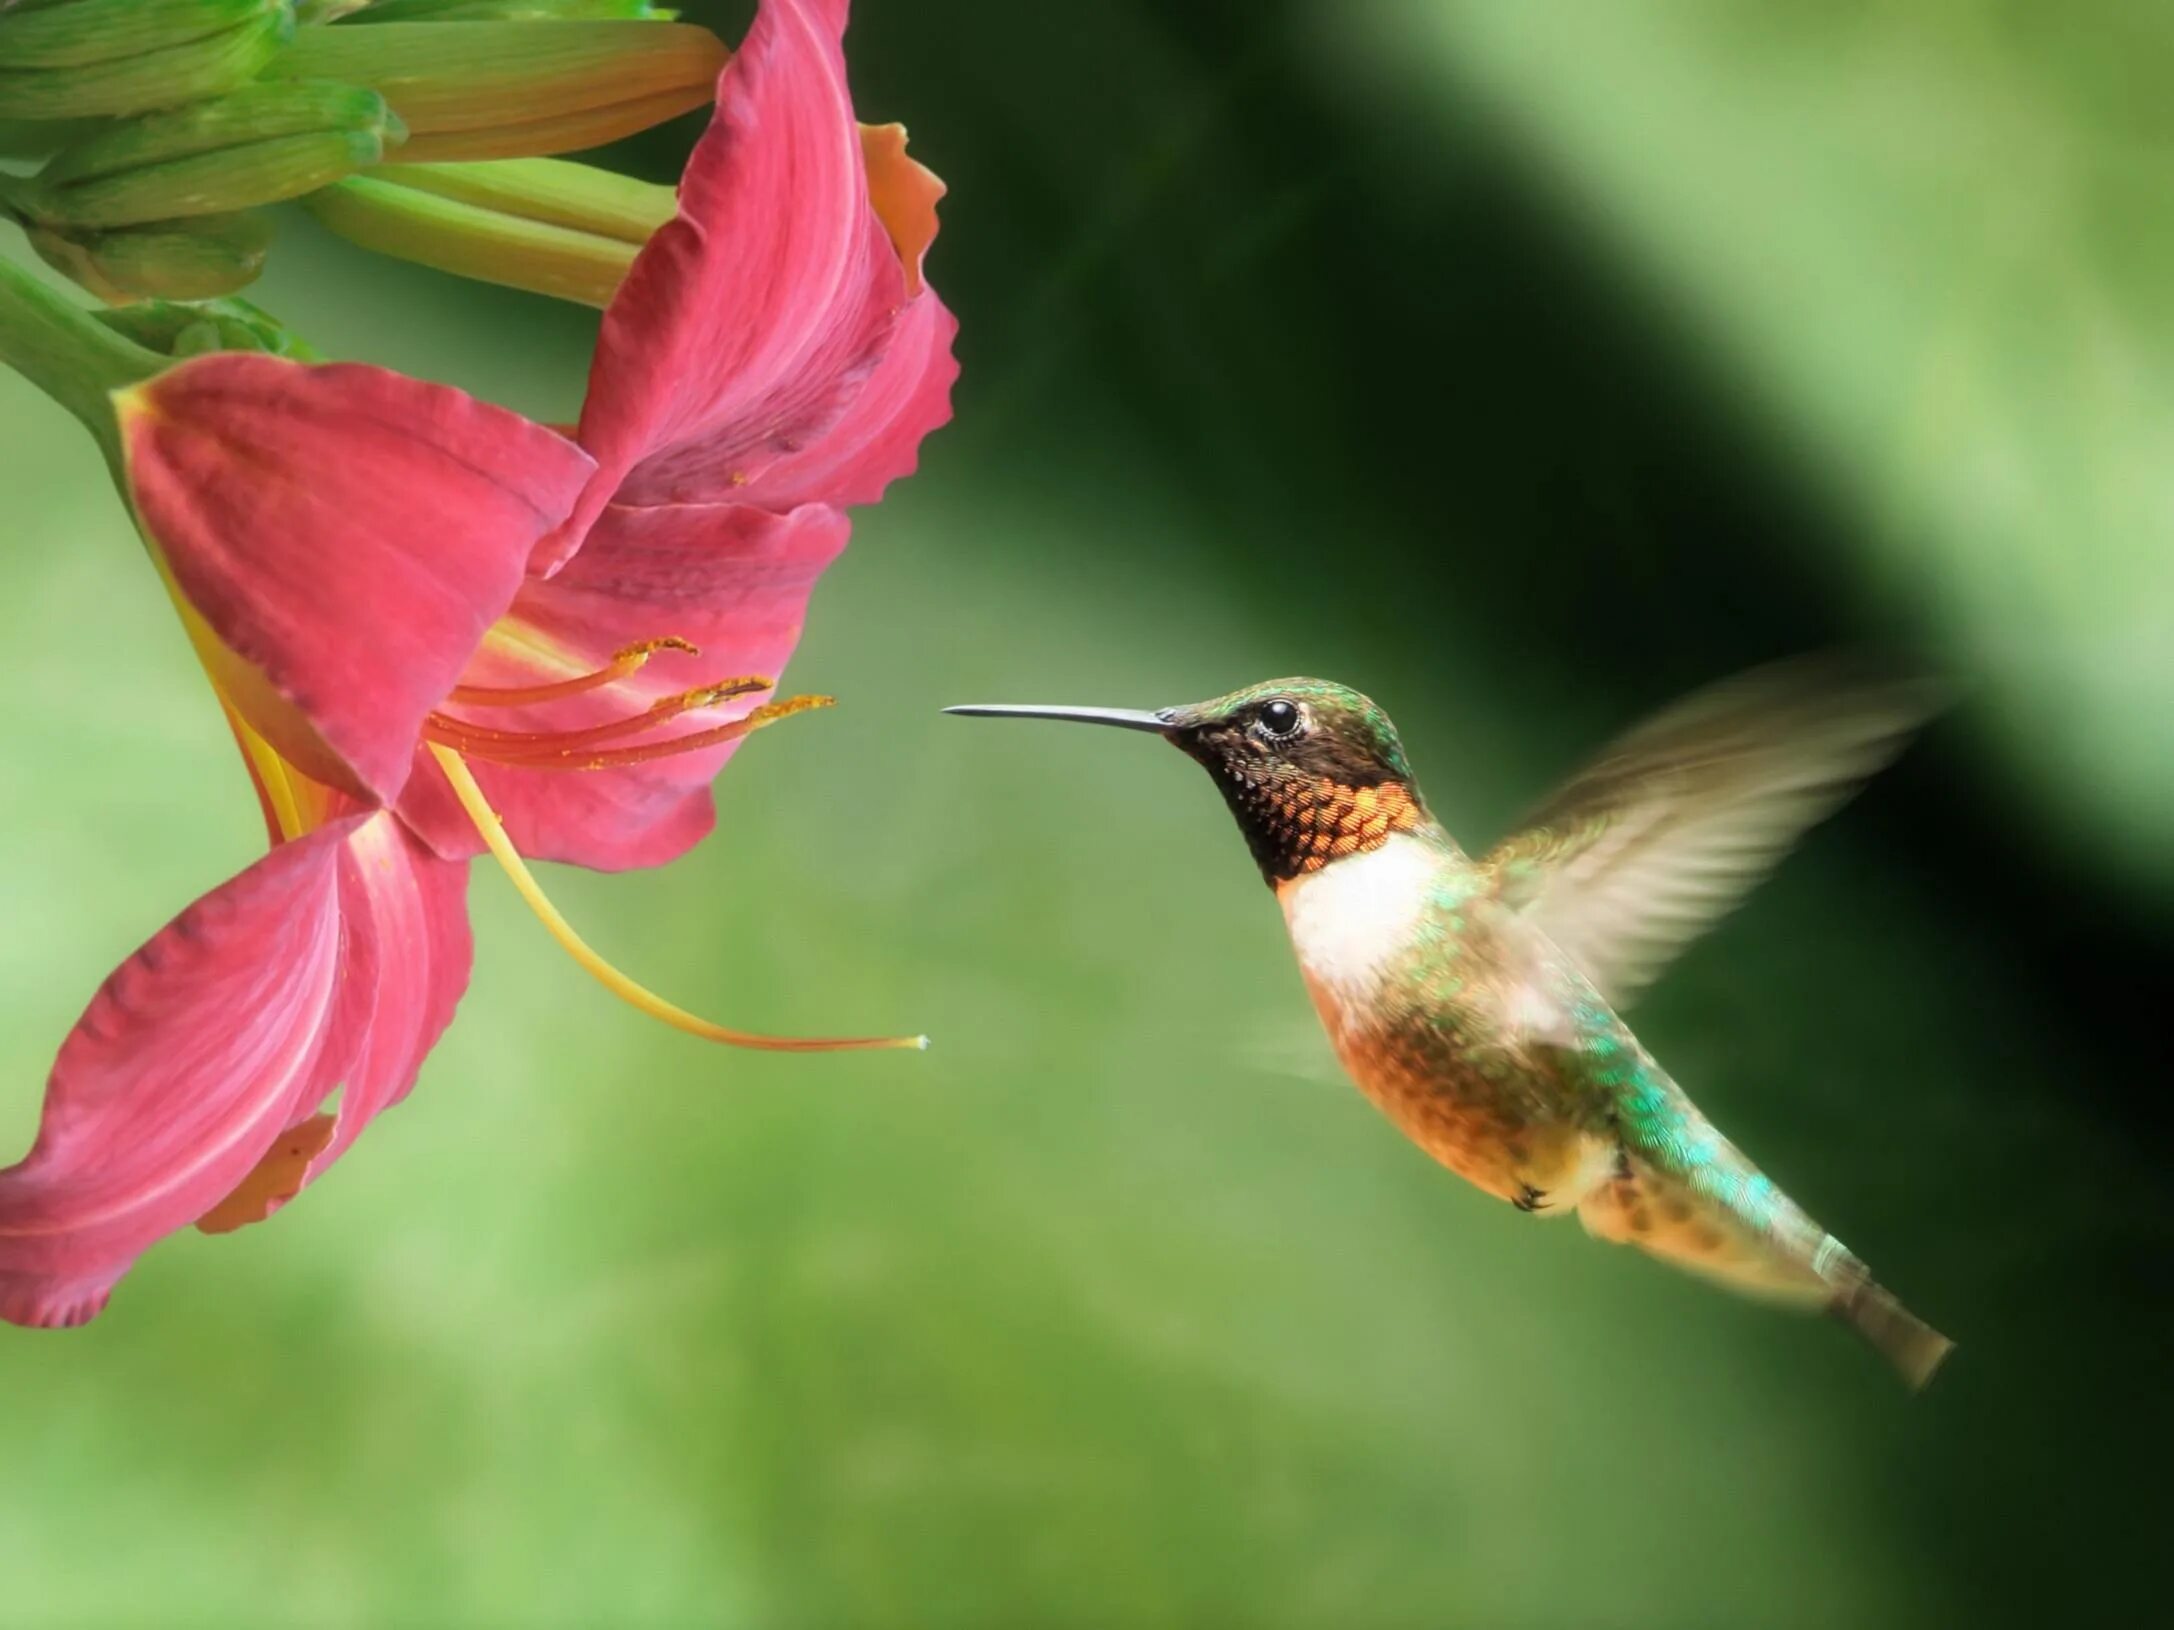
(66, 352)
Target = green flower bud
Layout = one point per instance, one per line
(566, 230)
(262, 172)
(252, 114)
(257, 145)
(208, 65)
(174, 330)
(487, 90)
(513, 11)
(170, 260)
(72, 33)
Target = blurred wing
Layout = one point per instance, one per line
(1670, 827)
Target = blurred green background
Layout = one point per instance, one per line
(1522, 362)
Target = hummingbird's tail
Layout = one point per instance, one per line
(1906, 1341)
(1742, 1231)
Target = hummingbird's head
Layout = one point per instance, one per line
(1313, 771)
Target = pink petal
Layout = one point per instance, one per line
(732, 580)
(748, 322)
(188, 1090)
(188, 1063)
(415, 906)
(347, 534)
(406, 912)
(873, 443)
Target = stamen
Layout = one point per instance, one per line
(552, 757)
(493, 832)
(506, 746)
(623, 663)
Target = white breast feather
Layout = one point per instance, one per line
(1349, 920)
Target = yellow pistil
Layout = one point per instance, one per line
(492, 829)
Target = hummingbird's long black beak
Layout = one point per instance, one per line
(1122, 718)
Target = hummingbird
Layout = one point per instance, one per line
(1478, 1001)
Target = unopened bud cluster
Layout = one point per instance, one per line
(167, 126)
(76, 59)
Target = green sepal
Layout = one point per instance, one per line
(74, 33)
(155, 79)
(488, 90)
(258, 145)
(171, 260)
(176, 330)
(564, 230)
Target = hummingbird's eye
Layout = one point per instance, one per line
(1279, 718)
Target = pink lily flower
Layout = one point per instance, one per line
(358, 558)
(336, 959)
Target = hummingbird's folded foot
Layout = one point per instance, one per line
(1528, 1198)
